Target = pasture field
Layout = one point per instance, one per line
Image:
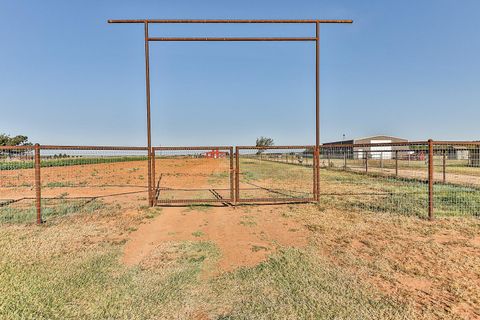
(365, 252)
(67, 161)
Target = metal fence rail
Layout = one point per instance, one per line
(416, 178)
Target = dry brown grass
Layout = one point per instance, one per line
(357, 265)
(431, 265)
(349, 264)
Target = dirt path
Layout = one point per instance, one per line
(453, 178)
(245, 236)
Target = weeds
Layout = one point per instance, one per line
(51, 208)
(294, 284)
(198, 233)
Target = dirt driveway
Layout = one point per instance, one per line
(245, 236)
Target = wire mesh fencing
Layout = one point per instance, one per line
(17, 184)
(283, 173)
(419, 178)
(389, 178)
(92, 171)
(58, 180)
(193, 175)
(457, 178)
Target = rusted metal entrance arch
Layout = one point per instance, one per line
(315, 39)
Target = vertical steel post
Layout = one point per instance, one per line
(366, 161)
(344, 158)
(396, 163)
(154, 183)
(38, 184)
(314, 166)
(317, 107)
(237, 175)
(232, 177)
(149, 137)
(430, 179)
(314, 176)
(444, 166)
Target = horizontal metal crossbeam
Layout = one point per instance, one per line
(227, 21)
(234, 39)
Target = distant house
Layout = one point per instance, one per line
(372, 152)
(215, 154)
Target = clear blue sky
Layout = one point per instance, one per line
(404, 68)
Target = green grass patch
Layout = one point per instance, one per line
(95, 285)
(198, 207)
(63, 184)
(296, 284)
(26, 212)
(376, 193)
(198, 233)
(218, 177)
(254, 170)
(248, 221)
(256, 248)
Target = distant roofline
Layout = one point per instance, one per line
(379, 135)
(352, 141)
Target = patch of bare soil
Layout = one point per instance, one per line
(245, 236)
(113, 179)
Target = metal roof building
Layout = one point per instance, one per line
(373, 152)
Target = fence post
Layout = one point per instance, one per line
(396, 163)
(430, 179)
(154, 184)
(237, 175)
(38, 185)
(317, 173)
(232, 176)
(366, 161)
(344, 159)
(314, 166)
(444, 166)
(149, 176)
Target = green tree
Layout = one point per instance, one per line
(6, 140)
(263, 142)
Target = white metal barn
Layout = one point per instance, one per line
(374, 152)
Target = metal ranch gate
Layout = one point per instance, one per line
(147, 39)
